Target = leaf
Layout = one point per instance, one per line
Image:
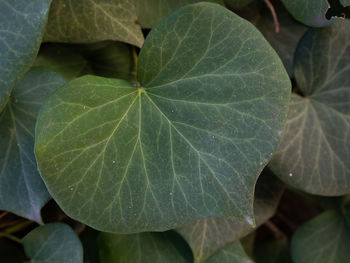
(143, 247)
(150, 12)
(22, 24)
(190, 144)
(22, 190)
(233, 4)
(234, 253)
(314, 153)
(324, 239)
(88, 21)
(53, 243)
(207, 236)
(345, 2)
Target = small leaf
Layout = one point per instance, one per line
(234, 253)
(207, 236)
(150, 12)
(189, 144)
(314, 153)
(53, 243)
(324, 239)
(87, 21)
(22, 23)
(22, 190)
(143, 248)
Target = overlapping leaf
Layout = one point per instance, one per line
(207, 236)
(53, 243)
(188, 144)
(91, 20)
(22, 24)
(314, 153)
(21, 188)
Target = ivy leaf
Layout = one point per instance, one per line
(311, 12)
(314, 153)
(150, 12)
(22, 190)
(53, 243)
(324, 239)
(143, 248)
(207, 236)
(234, 253)
(189, 144)
(87, 21)
(22, 24)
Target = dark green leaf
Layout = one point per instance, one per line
(139, 248)
(150, 12)
(207, 236)
(314, 153)
(53, 243)
(86, 21)
(22, 24)
(190, 144)
(234, 253)
(21, 188)
(324, 239)
(309, 12)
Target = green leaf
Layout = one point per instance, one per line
(22, 190)
(143, 247)
(345, 2)
(87, 21)
(324, 239)
(190, 144)
(310, 12)
(234, 253)
(233, 4)
(53, 243)
(314, 153)
(22, 24)
(150, 12)
(207, 236)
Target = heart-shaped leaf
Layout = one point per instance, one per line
(314, 153)
(188, 144)
(143, 248)
(234, 253)
(207, 236)
(22, 190)
(150, 12)
(53, 243)
(324, 239)
(87, 21)
(22, 24)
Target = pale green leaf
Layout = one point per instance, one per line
(53, 243)
(22, 23)
(87, 21)
(139, 248)
(324, 239)
(314, 153)
(188, 145)
(234, 253)
(21, 188)
(207, 236)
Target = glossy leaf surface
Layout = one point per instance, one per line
(189, 144)
(21, 188)
(314, 153)
(22, 24)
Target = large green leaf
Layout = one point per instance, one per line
(309, 12)
(189, 144)
(91, 20)
(324, 239)
(22, 24)
(207, 236)
(234, 253)
(314, 153)
(139, 248)
(53, 243)
(21, 188)
(150, 12)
